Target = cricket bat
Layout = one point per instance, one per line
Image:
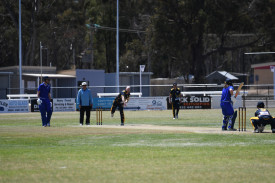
(238, 90)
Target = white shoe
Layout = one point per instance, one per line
(174, 118)
(80, 124)
(112, 114)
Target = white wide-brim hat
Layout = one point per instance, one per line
(84, 84)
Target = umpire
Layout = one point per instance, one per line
(84, 101)
(119, 102)
(44, 101)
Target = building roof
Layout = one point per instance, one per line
(263, 65)
(24, 67)
(6, 73)
(49, 75)
(223, 74)
(71, 72)
(135, 73)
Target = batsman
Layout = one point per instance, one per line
(120, 102)
(227, 105)
(44, 101)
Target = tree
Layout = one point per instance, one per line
(57, 24)
(182, 29)
(174, 38)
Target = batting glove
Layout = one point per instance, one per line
(39, 101)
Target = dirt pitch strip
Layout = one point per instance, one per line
(167, 128)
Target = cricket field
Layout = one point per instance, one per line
(151, 147)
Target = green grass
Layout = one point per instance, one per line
(66, 152)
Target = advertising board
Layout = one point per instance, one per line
(193, 102)
(14, 106)
(64, 104)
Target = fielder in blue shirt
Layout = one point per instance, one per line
(84, 101)
(227, 105)
(44, 101)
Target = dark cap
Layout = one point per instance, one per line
(260, 104)
(46, 78)
(174, 84)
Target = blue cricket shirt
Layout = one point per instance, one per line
(226, 96)
(84, 97)
(44, 90)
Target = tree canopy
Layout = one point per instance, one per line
(175, 38)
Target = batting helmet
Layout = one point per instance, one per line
(228, 82)
(46, 78)
(260, 104)
(174, 84)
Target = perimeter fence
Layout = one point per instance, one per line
(251, 94)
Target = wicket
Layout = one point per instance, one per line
(99, 115)
(242, 121)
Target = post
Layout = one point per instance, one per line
(74, 57)
(38, 82)
(244, 80)
(239, 116)
(20, 51)
(140, 80)
(96, 111)
(141, 69)
(41, 61)
(245, 119)
(117, 46)
(73, 49)
(242, 118)
(274, 83)
(92, 49)
(272, 68)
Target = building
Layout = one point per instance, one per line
(31, 78)
(129, 78)
(262, 73)
(65, 84)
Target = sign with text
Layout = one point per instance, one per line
(193, 102)
(105, 103)
(14, 106)
(135, 103)
(63, 104)
(146, 103)
(35, 106)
